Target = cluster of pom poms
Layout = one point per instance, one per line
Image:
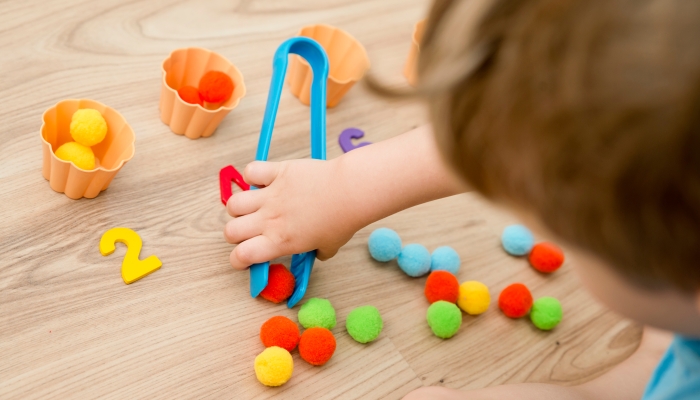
(317, 343)
(414, 259)
(545, 257)
(442, 290)
(215, 87)
(280, 284)
(516, 301)
(87, 128)
(280, 335)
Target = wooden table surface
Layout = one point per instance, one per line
(69, 326)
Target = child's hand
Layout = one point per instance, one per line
(308, 205)
(299, 207)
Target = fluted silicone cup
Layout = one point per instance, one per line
(186, 67)
(111, 154)
(348, 62)
(410, 68)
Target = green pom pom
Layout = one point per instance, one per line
(317, 313)
(444, 319)
(546, 313)
(364, 324)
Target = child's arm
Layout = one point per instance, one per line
(310, 204)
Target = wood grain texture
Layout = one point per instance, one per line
(70, 328)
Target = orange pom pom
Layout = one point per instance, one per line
(215, 87)
(515, 300)
(190, 94)
(317, 346)
(546, 257)
(280, 284)
(281, 332)
(441, 285)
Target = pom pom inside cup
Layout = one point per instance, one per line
(88, 127)
(190, 95)
(348, 63)
(215, 87)
(111, 153)
(81, 156)
(186, 67)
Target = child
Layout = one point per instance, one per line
(580, 116)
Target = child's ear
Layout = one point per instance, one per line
(697, 301)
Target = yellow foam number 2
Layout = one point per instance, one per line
(133, 269)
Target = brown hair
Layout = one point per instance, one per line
(583, 112)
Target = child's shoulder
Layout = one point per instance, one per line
(678, 374)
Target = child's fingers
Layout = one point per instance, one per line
(252, 251)
(260, 173)
(243, 203)
(243, 228)
(324, 255)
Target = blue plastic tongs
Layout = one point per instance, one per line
(316, 57)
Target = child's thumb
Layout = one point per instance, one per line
(260, 173)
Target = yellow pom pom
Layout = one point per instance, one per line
(474, 297)
(274, 366)
(87, 127)
(81, 156)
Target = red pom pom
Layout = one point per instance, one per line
(190, 94)
(280, 331)
(317, 346)
(215, 87)
(280, 284)
(441, 285)
(515, 300)
(546, 257)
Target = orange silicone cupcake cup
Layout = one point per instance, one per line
(186, 67)
(348, 64)
(410, 69)
(111, 154)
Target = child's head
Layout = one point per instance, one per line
(584, 116)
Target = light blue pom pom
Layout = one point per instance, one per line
(414, 260)
(517, 240)
(384, 244)
(445, 258)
